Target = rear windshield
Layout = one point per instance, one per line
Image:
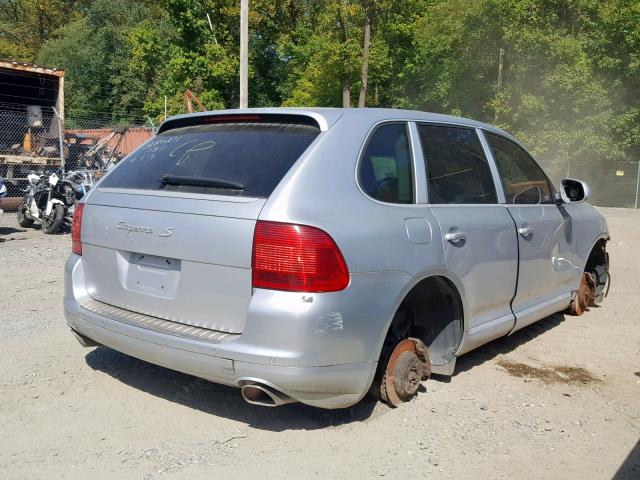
(245, 159)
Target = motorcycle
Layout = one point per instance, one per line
(3, 192)
(51, 201)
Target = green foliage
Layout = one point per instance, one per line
(555, 96)
(570, 83)
(95, 51)
(26, 24)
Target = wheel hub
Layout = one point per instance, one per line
(407, 366)
(585, 296)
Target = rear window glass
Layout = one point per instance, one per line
(245, 159)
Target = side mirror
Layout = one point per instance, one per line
(33, 178)
(574, 191)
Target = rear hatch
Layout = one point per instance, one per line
(169, 232)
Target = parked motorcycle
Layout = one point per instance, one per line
(3, 191)
(51, 200)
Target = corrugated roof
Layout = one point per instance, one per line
(31, 67)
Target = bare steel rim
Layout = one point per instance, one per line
(408, 365)
(585, 296)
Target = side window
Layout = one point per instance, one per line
(386, 168)
(457, 169)
(523, 180)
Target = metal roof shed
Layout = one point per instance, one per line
(29, 84)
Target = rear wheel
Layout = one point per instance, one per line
(406, 367)
(53, 222)
(23, 220)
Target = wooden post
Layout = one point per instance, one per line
(60, 99)
(244, 53)
(60, 139)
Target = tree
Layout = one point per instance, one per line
(26, 24)
(553, 96)
(366, 44)
(570, 85)
(94, 50)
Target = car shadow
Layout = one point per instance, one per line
(630, 468)
(225, 401)
(503, 345)
(220, 400)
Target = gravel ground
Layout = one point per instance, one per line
(559, 399)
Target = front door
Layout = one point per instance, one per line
(544, 233)
(479, 235)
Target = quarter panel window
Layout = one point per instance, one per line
(385, 170)
(524, 181)
(457, 169)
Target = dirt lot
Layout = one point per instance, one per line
(560, 399)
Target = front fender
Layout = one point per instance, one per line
(589, 227)
(50, 204)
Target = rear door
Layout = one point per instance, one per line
(169, 231)
(478, 233)
(544, 233)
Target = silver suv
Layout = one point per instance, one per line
(316, 255)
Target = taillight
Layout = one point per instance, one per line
(296, 258)
(76, 226)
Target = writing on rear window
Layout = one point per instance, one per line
(245, 159)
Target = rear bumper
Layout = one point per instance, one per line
(326, 386)
(335, 386)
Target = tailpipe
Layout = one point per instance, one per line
(85, 341)
(261, 394)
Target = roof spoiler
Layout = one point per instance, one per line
(312, 119)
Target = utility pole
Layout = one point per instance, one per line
(244, 53)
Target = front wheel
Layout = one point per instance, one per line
(585, 296)
(23, 220)
(53, 222)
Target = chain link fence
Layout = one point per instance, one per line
(37, 140)
(613, 182)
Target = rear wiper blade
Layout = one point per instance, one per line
(170, 179)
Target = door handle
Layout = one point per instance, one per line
(526, 231)
(455, 237)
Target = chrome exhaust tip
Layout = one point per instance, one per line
(264, 395)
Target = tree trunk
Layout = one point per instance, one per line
(346, 92)
(346, 88)
(362, 100)
(499, 85)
